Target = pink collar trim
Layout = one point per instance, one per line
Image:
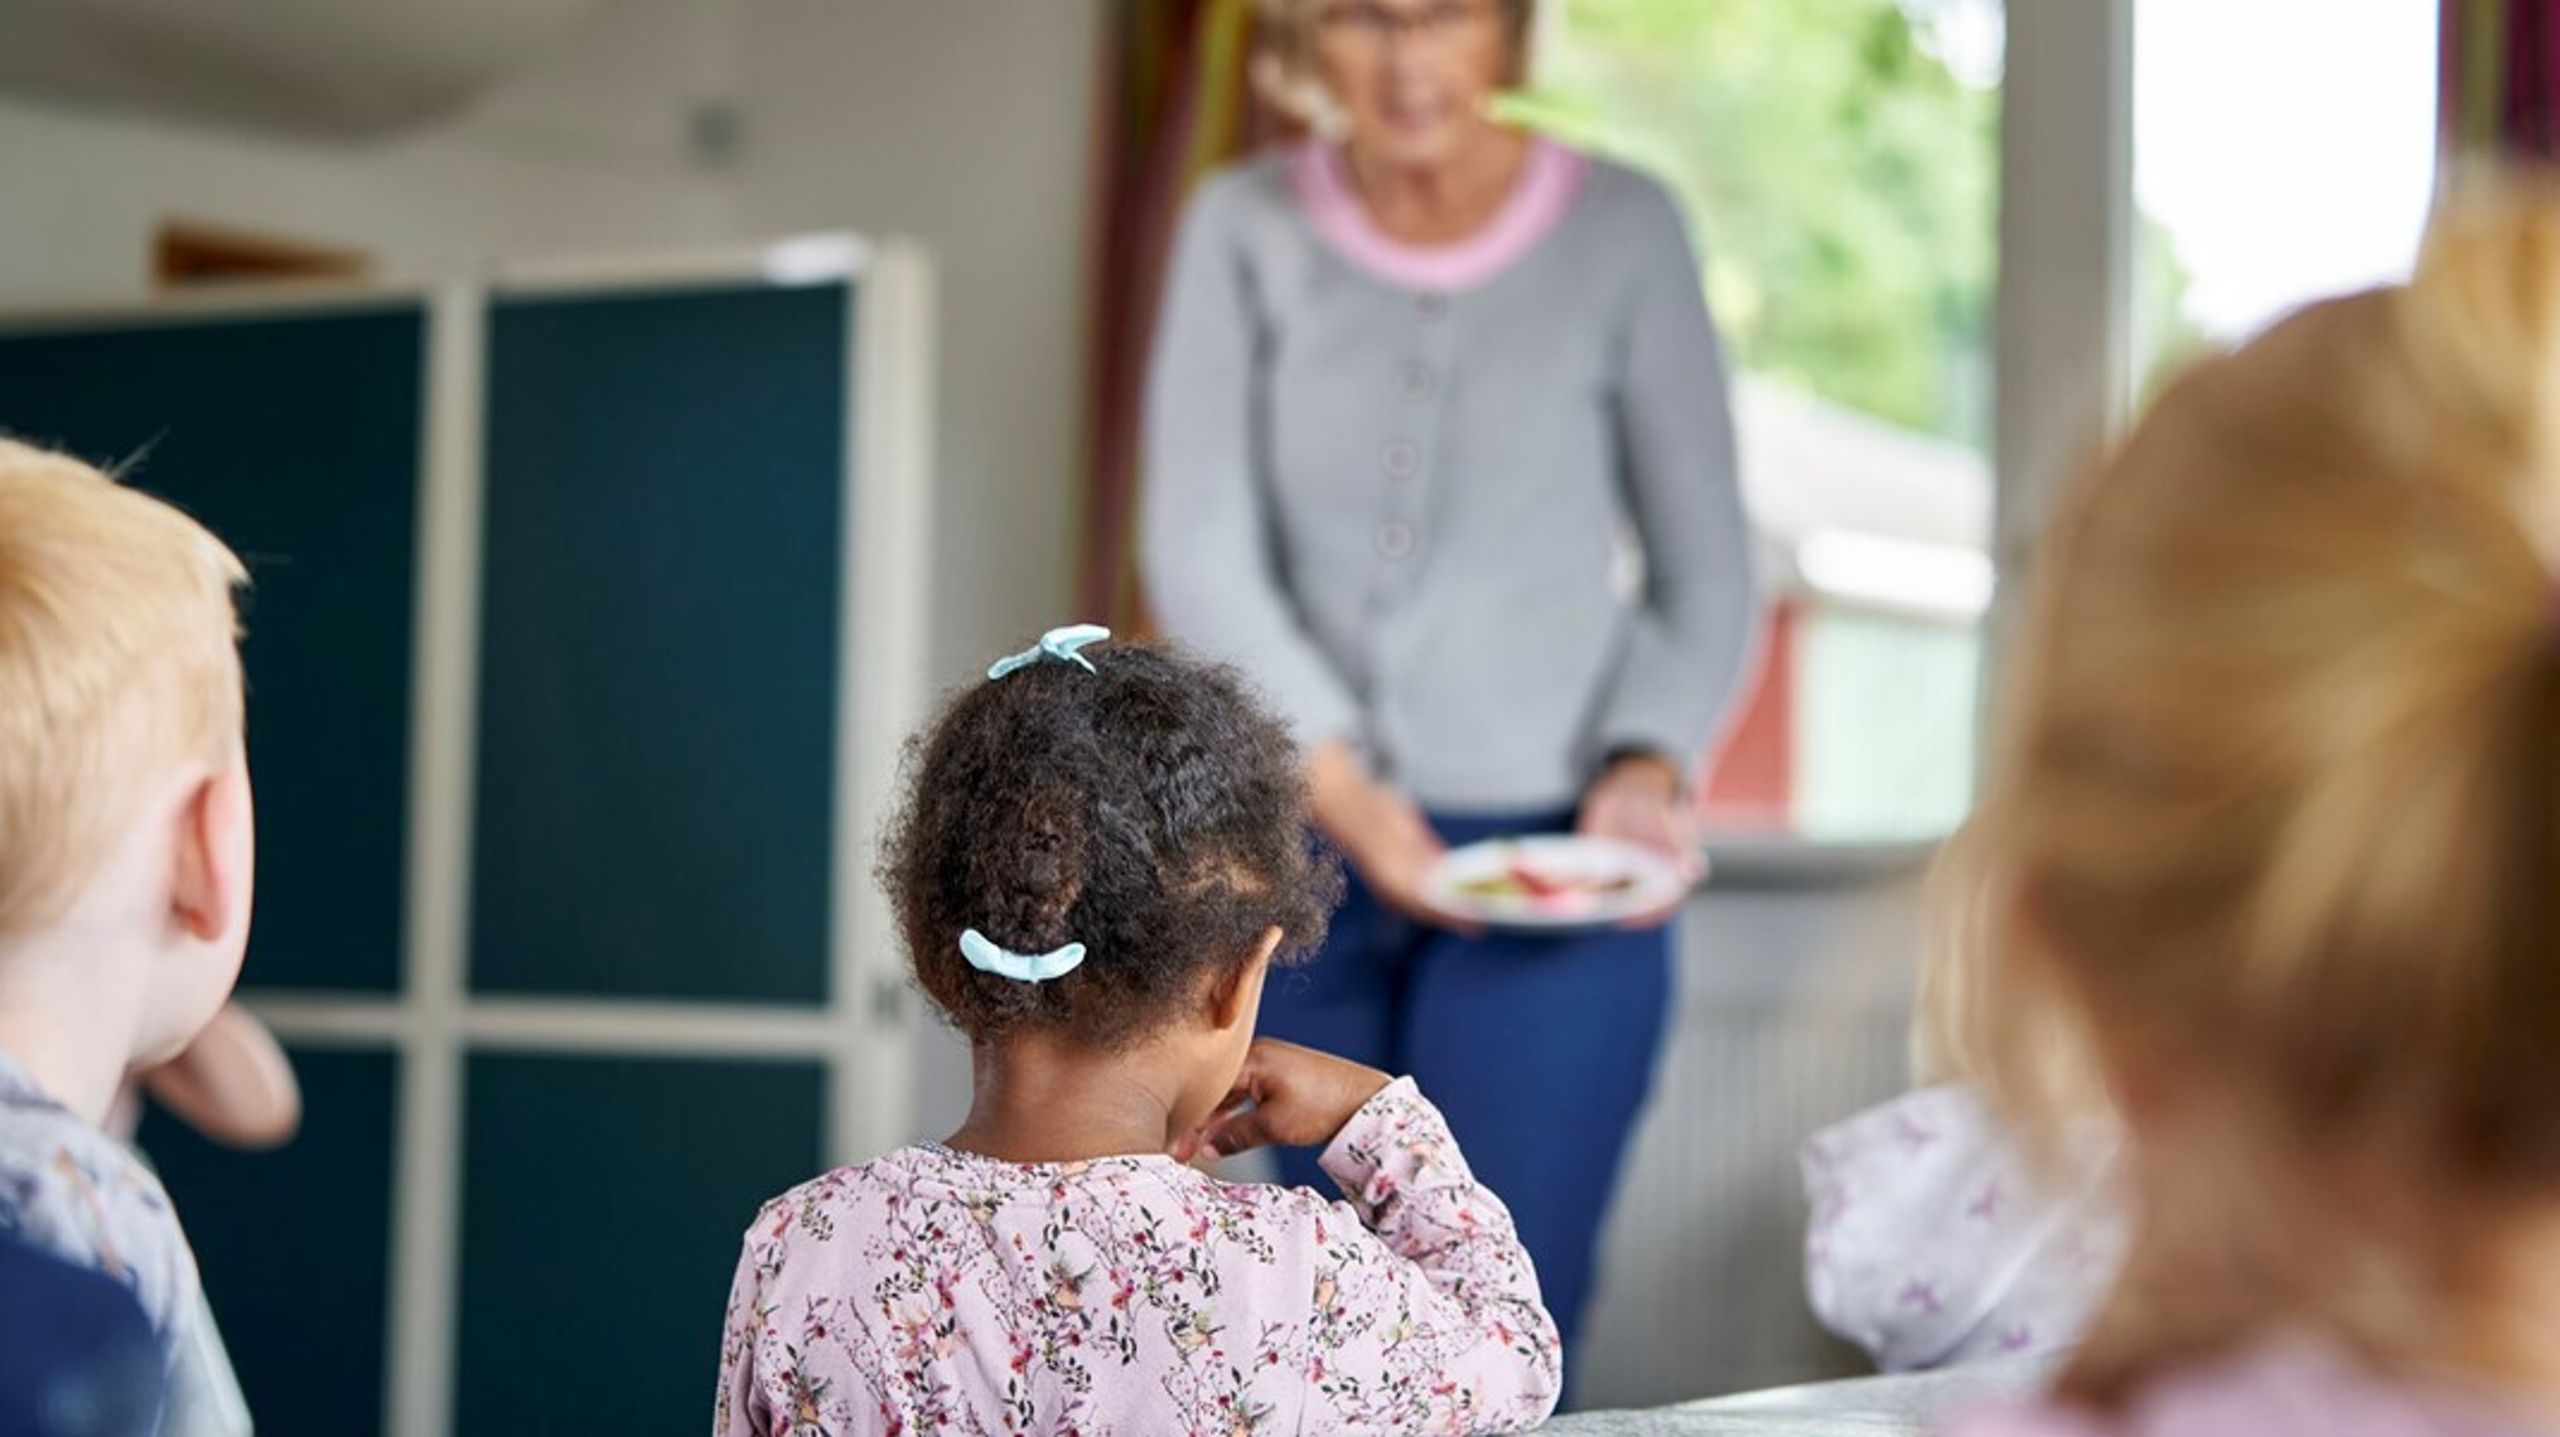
(1550, 178)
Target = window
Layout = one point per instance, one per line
(1838, 160)
(2282, 150)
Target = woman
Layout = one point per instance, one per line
(1412, 394)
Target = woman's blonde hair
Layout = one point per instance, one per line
(2272, 833)
(1284, 64)
(118, 663)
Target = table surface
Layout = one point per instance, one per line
(1901, 1406)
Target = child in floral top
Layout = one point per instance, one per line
(1100, 857)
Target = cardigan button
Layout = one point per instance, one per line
(1395, 541)
(1399, 459)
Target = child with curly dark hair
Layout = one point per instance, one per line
(1103, 851)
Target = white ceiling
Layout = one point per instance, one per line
(346, 69)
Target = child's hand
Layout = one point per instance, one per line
(1286, 1095)
(233, 1083)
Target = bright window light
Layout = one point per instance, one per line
(1903, 574)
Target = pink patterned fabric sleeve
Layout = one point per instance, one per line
(741, 1410)
(1434, 1306)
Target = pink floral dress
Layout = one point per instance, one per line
(935, 1291)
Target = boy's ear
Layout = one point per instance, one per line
(209, 888)
(1235, 997)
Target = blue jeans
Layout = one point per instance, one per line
(1538, 1049)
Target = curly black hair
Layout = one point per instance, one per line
(1152, 810)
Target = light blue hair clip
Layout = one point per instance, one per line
(1055, 646)
(986, 957)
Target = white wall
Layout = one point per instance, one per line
(584, 150)
(964, 123)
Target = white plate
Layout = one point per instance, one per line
(1638, 880)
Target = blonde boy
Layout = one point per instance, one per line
(125, 855)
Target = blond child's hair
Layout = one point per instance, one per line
(2272, 832)
(118, 663)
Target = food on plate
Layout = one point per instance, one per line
(1521, 883)
(1550, 882)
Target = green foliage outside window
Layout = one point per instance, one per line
(1841, 177)
(1840, 180)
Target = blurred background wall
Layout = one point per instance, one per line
(663, 124)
